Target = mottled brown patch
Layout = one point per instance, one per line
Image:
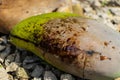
(27, 11)
(106, 43)
(104, 58)
(83, 28)
(61, 37)
(0, 2)
(113, 47)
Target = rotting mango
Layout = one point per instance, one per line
(81, 46)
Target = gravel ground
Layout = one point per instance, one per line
(19, 64)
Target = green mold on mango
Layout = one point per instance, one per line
(31, 28)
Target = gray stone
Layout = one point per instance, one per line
(2, 47)
(11, 57)
(4, 39)
(115, 10)
(29, 59)
(90, 1)
(66, 77)
(5, 53)
(7, 62)
(102, 15)
(37, 79)
(30, 62)
(17, 57)
(37, 71)
(29, 66)
(48, 75)
(114, 3)
(96, 3)
(117, 19)
(88, 9)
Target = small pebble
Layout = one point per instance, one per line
(30, 62)
(12, 67)
(5, 53)
(38, 70)
(17, 57)
(66, 77)
(30, 59)
(114, 3)
(88, 9)
(3, 73)
(29, 66)
(97, 3)
(37, 79)
(11, 57)
(7, 62)
(1, 40)
(48, 75)
(21, 73)
(2, 47)
(4, 39)
(10, 77)
(115, 10)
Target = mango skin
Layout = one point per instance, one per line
(31, 28)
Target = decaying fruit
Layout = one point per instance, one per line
(83, 47)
